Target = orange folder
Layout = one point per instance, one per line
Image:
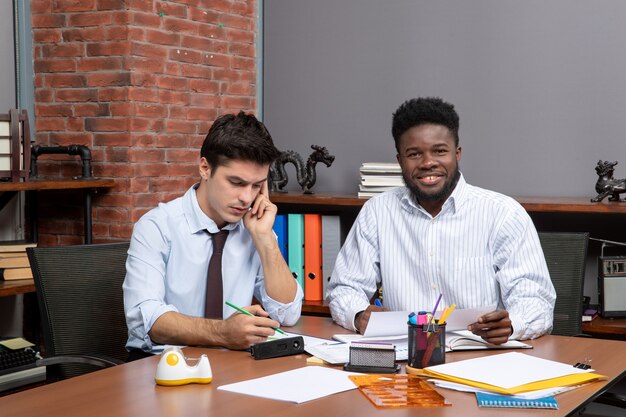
(313, 257)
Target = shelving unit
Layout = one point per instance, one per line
(606, 219)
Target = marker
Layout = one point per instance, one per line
(241, 310)
(378, 303)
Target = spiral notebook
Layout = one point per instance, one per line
(510, 401)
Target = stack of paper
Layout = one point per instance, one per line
(511, 373)
(378, 177)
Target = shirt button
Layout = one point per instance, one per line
(431, 253)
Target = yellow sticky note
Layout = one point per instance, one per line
(16, 343)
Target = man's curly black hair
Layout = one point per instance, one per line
(422, 110)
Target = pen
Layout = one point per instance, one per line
(378, 303)
(241, 310)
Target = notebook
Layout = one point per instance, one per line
(510, 401)
(466, 340)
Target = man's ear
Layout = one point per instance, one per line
(458, 154)
(204, 168)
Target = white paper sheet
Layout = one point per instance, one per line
(461, 318)
(296, 386)
(387, 323)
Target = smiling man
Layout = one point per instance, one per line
(170, 297)
(441, 235)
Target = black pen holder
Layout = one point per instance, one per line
(427, 345)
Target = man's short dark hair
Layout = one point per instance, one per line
(420, 111)
(238, 137)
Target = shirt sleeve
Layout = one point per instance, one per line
(357, 271)
(526, 288)
(287, 314)
(144, 285)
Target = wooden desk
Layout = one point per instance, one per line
(129, 390)
(9, 189)
(19, 286)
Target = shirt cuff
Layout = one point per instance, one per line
(518, 327)
(351, 317)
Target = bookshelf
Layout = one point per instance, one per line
(603, 219)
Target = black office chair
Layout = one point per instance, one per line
(79, 292)
(565, 255)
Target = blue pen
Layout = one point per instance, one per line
(378, 303)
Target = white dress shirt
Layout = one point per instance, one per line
(167, 264)
(482, 249)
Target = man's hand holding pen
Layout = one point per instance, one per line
(494, 327)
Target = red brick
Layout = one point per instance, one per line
(113, 94)
(92, 109)
(73, 94)
(181, 155)
(184, 170)
(244, 8)
(55, 65)
(224, 74)
(154, 66)
(151, 110)
(108, 49)
(237, 22)
(64, 80)
(146, 125)
(113, 170)
(172, 141)
(173, 83)
(177, 126)
(67, 49)
(115, 199)
(242, 36)
(73, 5)
(143, 94)
(204, 86)
(172, 10)
(119, 33)
(199, 43)
(239, 62)
(121, 230)
(174, 97)
(146, 155)
(136, 214)
(147, 170)
(178, 112)
(89, 34)
(180, 26)
(108, 79)
(75, 124)
(242, 49)
(185, 55)
(89, 19)
(106, 214)
(201, 15)
(195, 71)
(48, 21)
(239, 89)
(40, 6)
(147, 200)
(149, 51)
(106, 124)
(211, 31)
(49, 124)
(70, 138)
(136, 34)
(111, 4)
(122, 109)
(47, 36)
(112, 139)
(43, 96)
(53, 110)
(216, 60)
(162, 38)
(236, 102)
(206, 101)
(100, 64)
(168, 184)
(217, 5)
(147, 20)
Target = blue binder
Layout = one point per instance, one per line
(295, 245)
(281, 230)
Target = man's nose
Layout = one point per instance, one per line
(428, 161)
(246, 195)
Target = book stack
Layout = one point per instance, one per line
(14, 261)
(378, 177)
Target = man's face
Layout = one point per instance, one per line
(227, 191)
(430, 164)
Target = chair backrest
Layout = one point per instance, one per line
(565, 255)
(79, 292)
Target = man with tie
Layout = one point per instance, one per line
(213, 244)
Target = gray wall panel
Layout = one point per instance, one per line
(539, 86)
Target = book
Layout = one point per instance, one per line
(12, 246)
(313, 257)
(380, 167)
(485, 399)
(589, 314)
(14, 260)
(379, 181)
(16, 273)
(466, 340)
(331, 244)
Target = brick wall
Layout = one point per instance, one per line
(139, 82)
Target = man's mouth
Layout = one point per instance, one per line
(430, 179)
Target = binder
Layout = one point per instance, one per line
(295, 246)
(280, 228)
(313, 257)
(485, 399)
(331, 244)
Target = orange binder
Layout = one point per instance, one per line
(313, 257)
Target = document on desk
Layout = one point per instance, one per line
(296, 386)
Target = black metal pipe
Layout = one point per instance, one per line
(80, 150)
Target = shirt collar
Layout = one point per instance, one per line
(196, 219)
(459, 194)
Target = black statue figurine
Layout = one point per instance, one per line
(305, 174)
(606, 184)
